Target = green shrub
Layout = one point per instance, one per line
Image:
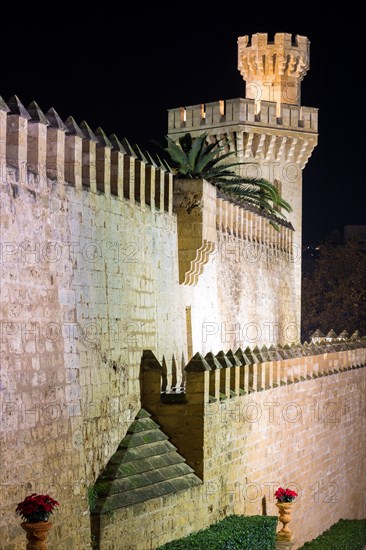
(345, 535)
(231, 533)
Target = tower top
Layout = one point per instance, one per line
(273, 70)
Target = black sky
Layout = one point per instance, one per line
(122, 72)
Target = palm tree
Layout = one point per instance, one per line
(193, 157)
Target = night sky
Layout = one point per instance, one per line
(123, 72)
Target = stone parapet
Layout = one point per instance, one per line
(39, 150)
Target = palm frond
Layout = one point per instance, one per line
(194, 157)
(186, 143)
(176, 153)
(196, 151)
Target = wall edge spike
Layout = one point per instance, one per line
(225, 362)
(87, 131)
(16, 107)
(101, 136)
(140, 154)
(55, 120)
(197, 364)
(73, 128)
(116, 144)
(128, 147)
(151, 160)
(3, 105)
(212, 361)
(36, 114)
(149, 361)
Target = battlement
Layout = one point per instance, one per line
(221, 114)
(273, 70)
(233, 374)
(281, 39)
(211, 385)
(37, 149)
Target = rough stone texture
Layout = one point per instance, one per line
(237, 272)
(245, 296)
(274, 137)
(307, 435)
(90, 279)
(82, 278)
(273, 71)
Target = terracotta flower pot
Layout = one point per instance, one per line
(36, 534)
(285, 509)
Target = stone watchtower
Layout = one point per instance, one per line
(268, 130)
(273, 71)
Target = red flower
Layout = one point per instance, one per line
(35, 508)
(285, 495)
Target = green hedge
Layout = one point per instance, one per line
(231, 533)
(347, 534)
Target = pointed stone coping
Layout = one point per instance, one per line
(88, 132)
(128, 148)
(140, 154)
(16, 107)
(150, 160)
(344, 335)
(285, 351)
(197, 364)
(3, 105)
(73, 128)
(296, 350)
(265, 354)
(233, 359)
(331, 334)
(212, 361)
(36, 114)
(163, 165)
(55, 120)
(223, 360)
(273, 354)
(316, 349)
(251, 356)
(149, 361)
(317, 334)
(116, 144)
(307, 349)
(145, 466)
(101, 136)
(261, 354)
(243, 358)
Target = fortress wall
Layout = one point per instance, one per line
(303, 430)
(89, 279)
(245, 296)
(237, 271)
(309, 436)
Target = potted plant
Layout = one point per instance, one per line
(284, 504)
(35, 510)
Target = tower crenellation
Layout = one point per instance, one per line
(197, 118)
(270, 134)
(274, 70)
